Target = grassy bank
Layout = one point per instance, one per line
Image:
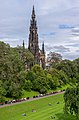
(44, 109)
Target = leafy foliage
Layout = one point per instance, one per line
(71, 98)
(53, 58)
(15, 77)
(12, 70)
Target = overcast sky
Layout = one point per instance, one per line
(57, 21)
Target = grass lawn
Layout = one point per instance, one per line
(45, 109)
(29, 94)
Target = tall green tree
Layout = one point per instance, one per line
(71, 98)
(10, 67)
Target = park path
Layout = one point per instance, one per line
(30, 99)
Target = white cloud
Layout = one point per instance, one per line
(9, 40)
(15, 21)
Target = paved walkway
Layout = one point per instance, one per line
(30, 99)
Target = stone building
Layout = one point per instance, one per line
(33, 46)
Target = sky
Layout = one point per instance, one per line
(57, 22)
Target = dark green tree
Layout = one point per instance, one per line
(71, 98)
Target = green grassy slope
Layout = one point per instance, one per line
(29, 94)
(45, 109)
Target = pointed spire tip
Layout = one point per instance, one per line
(33, 12)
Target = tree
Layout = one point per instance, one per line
(28, 85)
(53, 58)
(55, 77)
(10, 69)
(71, 98)
(26, 56)
(63, 77)
(31, 76)
(14, 77)
(38, 70)
(40, 84)
(2, 92)
(50, 81)
(71, 70)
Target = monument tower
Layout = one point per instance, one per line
(33, 45)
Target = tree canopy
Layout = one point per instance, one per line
(15, 77)
(71, 98)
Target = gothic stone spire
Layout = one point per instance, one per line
(23, 45)
(43, 48)
(39, 56)
(33, 13)
(33, 36)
